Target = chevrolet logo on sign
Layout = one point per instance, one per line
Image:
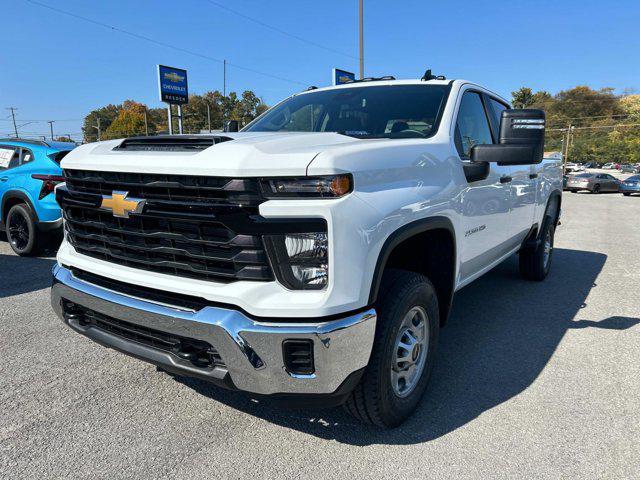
(121, 206)
(174, 77)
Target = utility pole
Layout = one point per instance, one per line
(224, 78)
(146, 125)
(50, 122)
(209, 116)
(13, 115)
(361, 40)
(565, 154)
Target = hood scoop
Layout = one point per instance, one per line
(171, 143)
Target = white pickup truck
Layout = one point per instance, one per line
(313, 255)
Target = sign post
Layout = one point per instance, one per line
(338, 77)
(172, 85)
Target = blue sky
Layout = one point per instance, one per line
(55, 67)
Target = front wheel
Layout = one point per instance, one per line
(626, 194)
(403, 351)
(596, 189)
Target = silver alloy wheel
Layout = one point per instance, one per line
(410, 352)
(548, 248)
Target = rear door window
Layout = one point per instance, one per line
(9, 157)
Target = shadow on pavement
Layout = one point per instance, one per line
(24, 274)
(611, 323)
(501, 334)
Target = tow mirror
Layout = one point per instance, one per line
(521, 139)
(231, 126)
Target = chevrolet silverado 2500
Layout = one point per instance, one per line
(314, 254)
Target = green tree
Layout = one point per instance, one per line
(522, 98)
(104, 116)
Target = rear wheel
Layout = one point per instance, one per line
(626, 194)
(574, 191)
(535, 263)
(22, 233)
(403, 351)
(596, 188)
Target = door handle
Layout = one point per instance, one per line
(4, 179)
(533, 175)
(505, 179)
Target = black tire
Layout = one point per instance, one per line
(626, 194)
(574, 191)
(534, 264)
(22, 233)
(374, 399)
(596, 188)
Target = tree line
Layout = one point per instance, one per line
(131, 118)
(604, 127)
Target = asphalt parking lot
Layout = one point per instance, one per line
(534, 380)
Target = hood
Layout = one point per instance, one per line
(247, 154)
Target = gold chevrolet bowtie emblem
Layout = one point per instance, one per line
(120, 205)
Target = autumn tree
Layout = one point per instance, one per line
(129, 122)
(101, 116)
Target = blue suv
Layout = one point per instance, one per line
(29, 171)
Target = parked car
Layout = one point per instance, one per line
(571, 167)
(630, 185)
(315, 260)
(565, 177)
(593, 182)
(29, 171)
(628, 168)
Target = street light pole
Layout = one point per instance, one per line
(50, 122)
(361, 40)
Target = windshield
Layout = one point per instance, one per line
(397, 111)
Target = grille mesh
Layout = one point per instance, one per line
(190, 226)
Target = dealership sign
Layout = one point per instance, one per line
(173, 85)
(342, 76)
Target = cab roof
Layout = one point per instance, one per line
(412, 81)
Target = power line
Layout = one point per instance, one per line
(279, 30)
(593, 127)
(162, 44)
(43, 120)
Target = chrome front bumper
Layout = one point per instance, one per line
(341, 347)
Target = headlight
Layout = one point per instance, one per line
(330, 186)
(300, 260)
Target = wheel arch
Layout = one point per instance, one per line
(555, 202)
(14, 197)
(399, 251)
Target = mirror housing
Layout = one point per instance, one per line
(231, 126)
(521, 139)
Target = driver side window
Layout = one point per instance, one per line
(472, 125)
